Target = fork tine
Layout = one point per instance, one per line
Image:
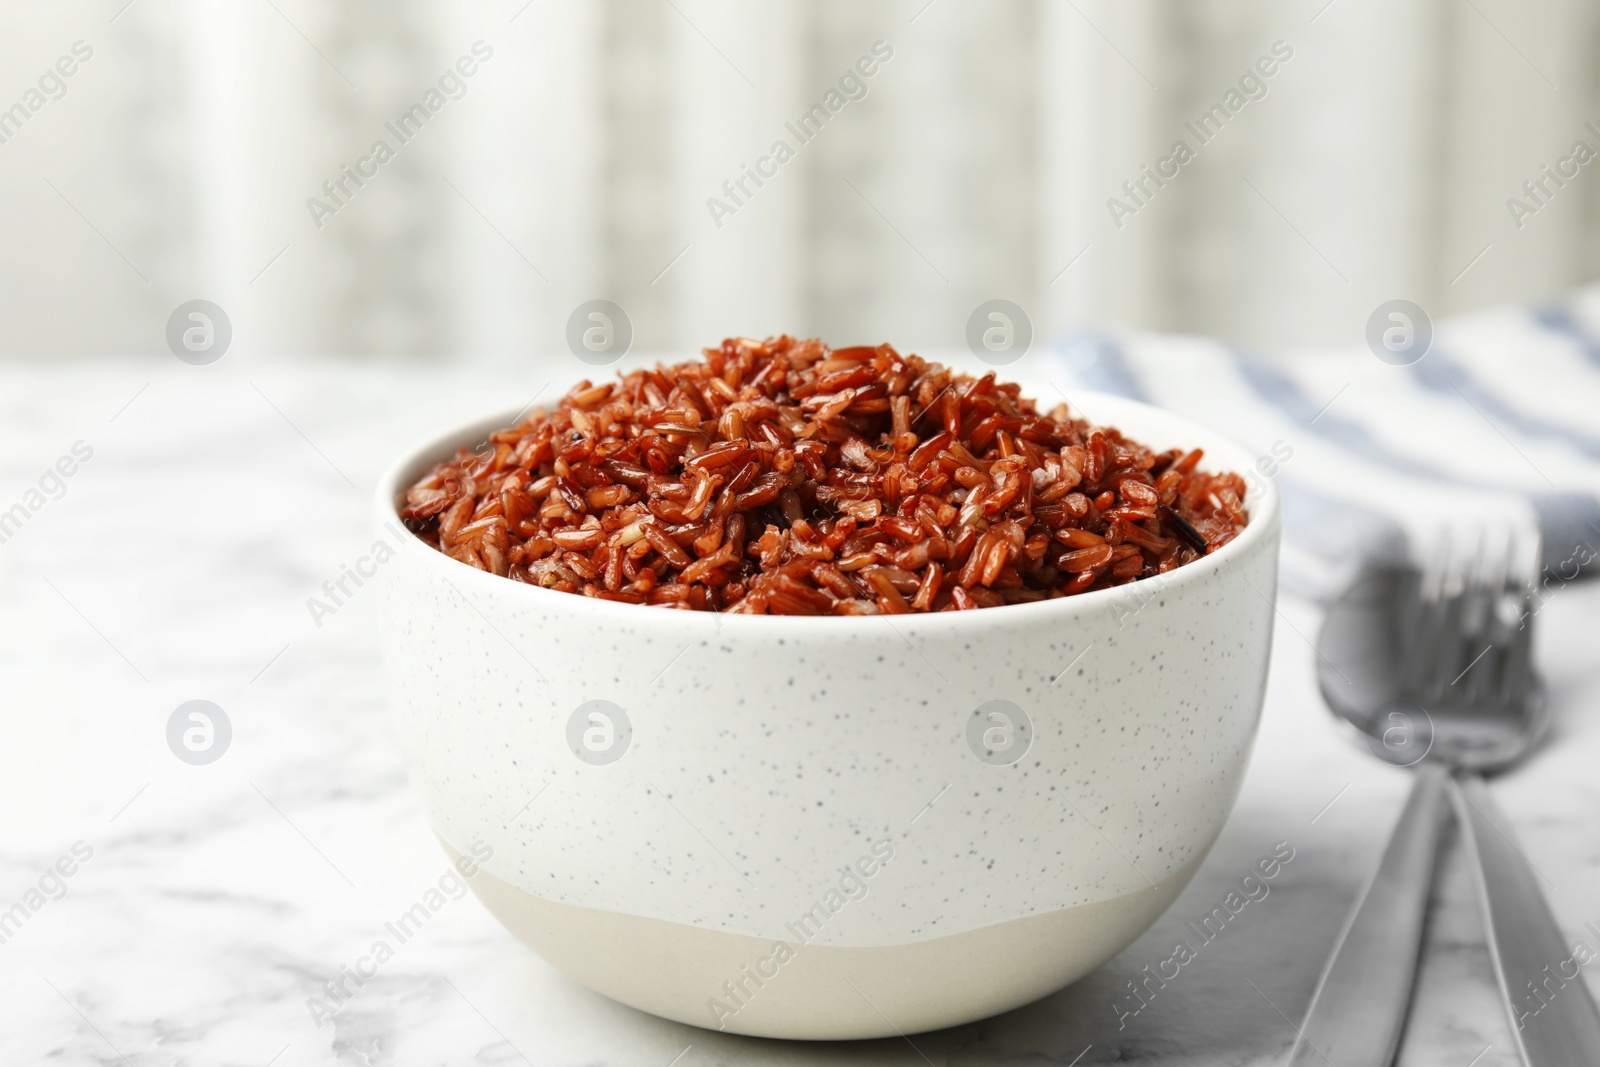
(1453, 616)
(1467, 604)
(1478, 655)
(1424, 640)
(1501, 636)
(1522, 576)
(1479, 648)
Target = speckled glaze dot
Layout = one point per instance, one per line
(766, 753)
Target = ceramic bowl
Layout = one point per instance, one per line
(840, 827)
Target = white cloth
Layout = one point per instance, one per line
(1496, 428)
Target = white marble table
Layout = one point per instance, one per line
(217, 899)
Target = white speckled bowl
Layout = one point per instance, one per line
(794, 837)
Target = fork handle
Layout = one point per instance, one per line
(1359, 1009)
(1552, 1014)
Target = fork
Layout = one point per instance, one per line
(1442, 617)
(1552, 1014)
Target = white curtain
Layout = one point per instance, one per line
(1378, 164)
(1378, 159)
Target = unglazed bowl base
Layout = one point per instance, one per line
(825, 992)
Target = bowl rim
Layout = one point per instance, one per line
(1265, 523)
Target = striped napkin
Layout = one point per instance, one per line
(1496, 428)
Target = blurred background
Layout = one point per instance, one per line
(985, 156)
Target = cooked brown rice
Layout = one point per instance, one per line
(782, 477)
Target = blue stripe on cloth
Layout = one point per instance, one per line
(1333, 526)
(1285, 394)
(1558, 319)
(1098, 362)
(1329, 524)
(1442, 375)
(1563, 517)
(1324, 523)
